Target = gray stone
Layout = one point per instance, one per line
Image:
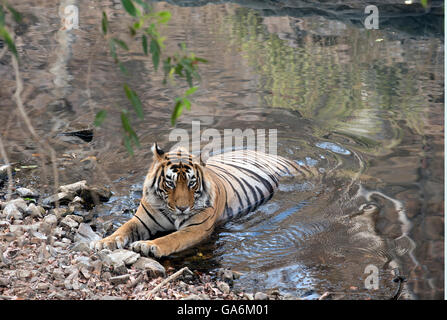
(124, 256)
(69, 223)
(15, 209)
(27, 193)
(59, 212)
(261, 296)
(86, 234)
(4, 282)
(61, 197)
(81, 247)
(223, 286)
(34, 211)
(152, 267)
(51, 220)
(120, 269)
(248, 296)
(76, 218)
(74, 188)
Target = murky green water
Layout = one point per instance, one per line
(365, 106)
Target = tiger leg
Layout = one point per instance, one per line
(120, 238)
(199, 228)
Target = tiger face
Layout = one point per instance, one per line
(176, 183)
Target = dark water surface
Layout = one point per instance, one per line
(363, 106)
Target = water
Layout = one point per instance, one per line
(364, 107)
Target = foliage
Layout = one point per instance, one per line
(144, 26)
(4, 33)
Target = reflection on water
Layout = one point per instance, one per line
(363, 107)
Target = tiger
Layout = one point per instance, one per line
(188, 197)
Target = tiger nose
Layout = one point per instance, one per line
(182, 208)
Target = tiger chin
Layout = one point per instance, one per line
(190, 198)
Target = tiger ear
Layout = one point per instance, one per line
(158, 153)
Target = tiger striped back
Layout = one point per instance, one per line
(250, 178)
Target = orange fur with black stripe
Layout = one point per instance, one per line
(183, 195)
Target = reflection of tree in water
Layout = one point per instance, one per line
(340, 76)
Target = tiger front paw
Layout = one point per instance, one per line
(147, 248)
(112, 242)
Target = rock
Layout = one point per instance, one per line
(119, 279)
(74, 188)
(261, 296)
(51, 220)
(4, 282)
(27, 193)
(226, 275)
(86, 234)
(124, 256)
(152, 267)
(15, 209)
(35, 211)
(120, 269)
(103, 255)
(59, 212)
(69, 223)
(81, 247)
(4, 171)
(76, 218)
(61, 197)
(95, 195)
(223, 286)
(248, 296)
(192, 297)
(43, 286)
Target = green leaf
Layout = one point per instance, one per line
(105, 23)
(6, 36)
(121, 43)
(155, 51)
(136, 103)
(424, 3)
(163, 16)
(100, 117)
(113, 50)
(200, 60)
(189, 78)
(128, 144)
(123, 68)
(190, 91)
(144, 43)
(125, 121)
(187, 104)
(16, 15)
(177, 111)
(129, 7)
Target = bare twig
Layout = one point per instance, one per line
(8, 168)
(168, 279)
(26, 119)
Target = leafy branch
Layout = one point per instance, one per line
(144, 27)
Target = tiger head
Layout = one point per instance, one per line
(177, 182)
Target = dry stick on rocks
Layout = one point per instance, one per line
(170, 278)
